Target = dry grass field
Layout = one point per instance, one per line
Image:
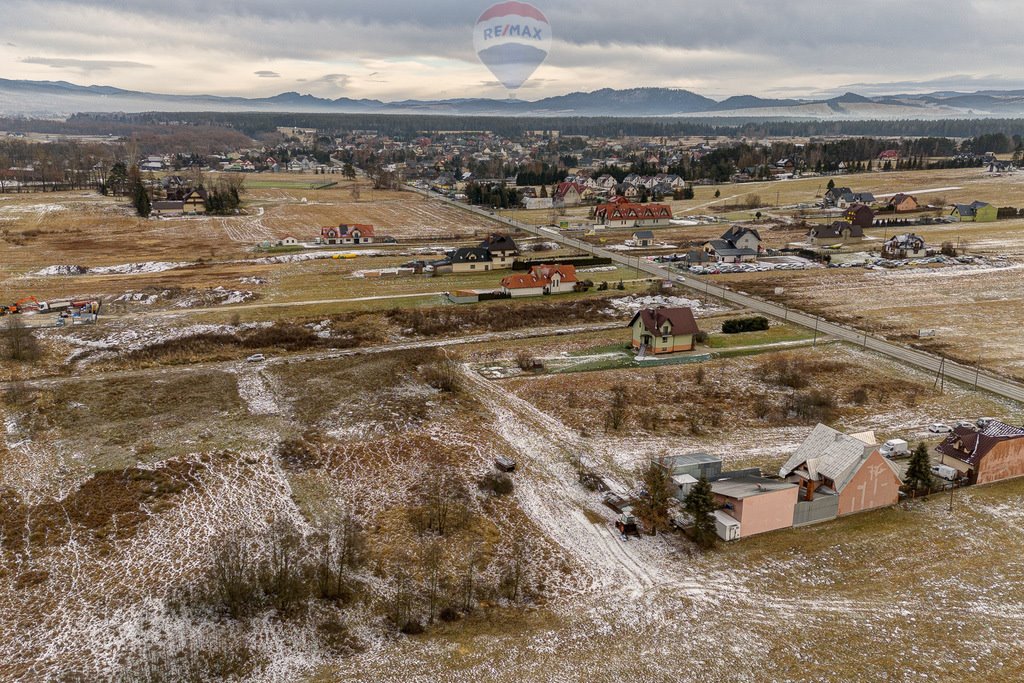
(170, 511)
(135, 493)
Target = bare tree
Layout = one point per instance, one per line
(282, 575)
(19, 342)
(618, 408)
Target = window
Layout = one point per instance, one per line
(472, 266)
(664, 340)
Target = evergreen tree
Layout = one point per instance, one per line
(831, 184)
(919, 472)
(653, 509)
(700, 504)
(143, 205)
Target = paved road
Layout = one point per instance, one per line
(971, 376)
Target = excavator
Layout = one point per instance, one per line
(29, 303)
(64, 308)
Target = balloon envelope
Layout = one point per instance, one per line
(512, 39)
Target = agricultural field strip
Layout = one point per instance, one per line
(322, 355)
(932, 363)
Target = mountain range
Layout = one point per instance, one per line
(60, 98)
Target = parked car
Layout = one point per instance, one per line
(984, 422)
(256, 358)
(939, 428)
(966, 424)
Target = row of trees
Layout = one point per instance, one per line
(495, 195)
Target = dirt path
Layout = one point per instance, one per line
(551, 497)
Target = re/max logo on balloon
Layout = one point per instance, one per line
(513, 31)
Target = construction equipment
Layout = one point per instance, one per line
(77, 311)
(28, 304)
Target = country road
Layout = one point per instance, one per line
(972, 376)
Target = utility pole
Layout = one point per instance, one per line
(814, 344)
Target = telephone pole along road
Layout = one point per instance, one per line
(970, 376)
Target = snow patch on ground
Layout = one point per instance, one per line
(122, 269)
(632, 304)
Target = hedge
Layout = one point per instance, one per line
(745, 325)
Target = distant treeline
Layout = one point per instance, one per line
(254, 124)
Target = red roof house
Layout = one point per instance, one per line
(544, 279)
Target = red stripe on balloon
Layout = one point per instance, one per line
(519, 8)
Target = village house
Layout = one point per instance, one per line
(287, 241)
(167, 209)
(642, 238)
(568, 194)
(907, 245)
(469, 260)
(621, 213)
(861, 215)
(850, 198)
(839, 232)
(758, 505)
(502, 248)
(833, 196)
(664, 330)
(903, 203)
(737, 245)
(347, 234)
(686, 469)
(991, 454)
(541, 280)
(890, 155)
(838, 475)
(975, 212)
(743, 238)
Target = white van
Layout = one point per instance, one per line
(894, 447)
(944, 472)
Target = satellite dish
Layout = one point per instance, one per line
(512, 39)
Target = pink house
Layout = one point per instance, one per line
(839, 475)
(758, 504)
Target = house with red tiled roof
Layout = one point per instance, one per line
(347, 234)
(569, 194)
(541, 280)
(625, 214)
(992, 453)
(664, 330)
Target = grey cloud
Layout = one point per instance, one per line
(86, 65)
(733, 46)
(267, 74)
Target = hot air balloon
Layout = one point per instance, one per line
(512, 39)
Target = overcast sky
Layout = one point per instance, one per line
(394, 49)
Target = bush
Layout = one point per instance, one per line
(814, 405)
(701, 337)
(442, 374)
(860, 395)
(738, 325)
(527, 362)
(412, 627)
(19, 342)
(498, 483)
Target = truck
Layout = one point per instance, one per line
(945, 472)
(894, 448)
